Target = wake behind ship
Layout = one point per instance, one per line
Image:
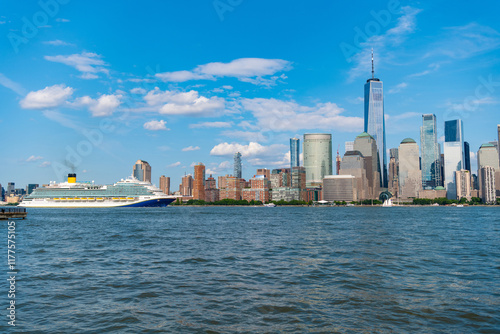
(71, 194)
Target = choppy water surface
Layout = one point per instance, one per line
(256, 270)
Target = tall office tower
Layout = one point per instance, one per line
(199, 182)
(2, 193)
(317, 157)
(431, 161)
(463, 180)
(165, 184)
(375, 121)
(466, 156)
(487, 155)
(338, 159)
(349, 146)
(142, 171)
(237, 165)
(367, 145)
(393, 153)
(11, 188)
(353, 163)
(393, 179)
(453, 155)
(294, 152)
(187, 185)
(410, 177)
(487, 185)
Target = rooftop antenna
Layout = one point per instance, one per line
(373, 72)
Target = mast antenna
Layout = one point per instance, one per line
(373, 72)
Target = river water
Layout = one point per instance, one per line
(257, 270)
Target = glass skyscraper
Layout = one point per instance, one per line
(431, 160)
(294, 152)
(453, 155)
(467, 156)
(237, 165)
(317, 157)
(375, 122)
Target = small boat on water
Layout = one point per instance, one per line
(270, 205)
(387, 203)
(460, 205)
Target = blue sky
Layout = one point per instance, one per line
(92, 86)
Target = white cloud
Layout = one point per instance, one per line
(155, 125)
(245, 69)
(34, 158)
(398, 88)
(466, 41)
(190, 148)
(14, 86)
(219, 169)
(175, 164)
(89, 63)
(58, 42)
(45, 164)
(138, 90)
(211, 125)
(278, 115)
(251, 150)
(105, 105)
(184, 103)
(49, 97)
(62, 20)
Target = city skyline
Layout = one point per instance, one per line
(170, 104)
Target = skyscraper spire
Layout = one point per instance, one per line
(373, 72)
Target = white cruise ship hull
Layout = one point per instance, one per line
(104, 203)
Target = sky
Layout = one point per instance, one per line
(91, 87)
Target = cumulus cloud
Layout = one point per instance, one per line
(138, 90)
(175, 164)
(253, 149)
(89, 63)
(49, 97)
(190, 148)
(155, 125)
(278, 115)
(105, 105)
(184, 103)
(251, 70)
(34, 158)
(211, 125)
(218, 168)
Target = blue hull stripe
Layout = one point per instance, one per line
(162, 202)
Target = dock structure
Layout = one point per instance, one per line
(10, 213)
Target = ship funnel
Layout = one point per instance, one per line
(71, 178)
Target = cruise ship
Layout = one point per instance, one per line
(71, 194)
